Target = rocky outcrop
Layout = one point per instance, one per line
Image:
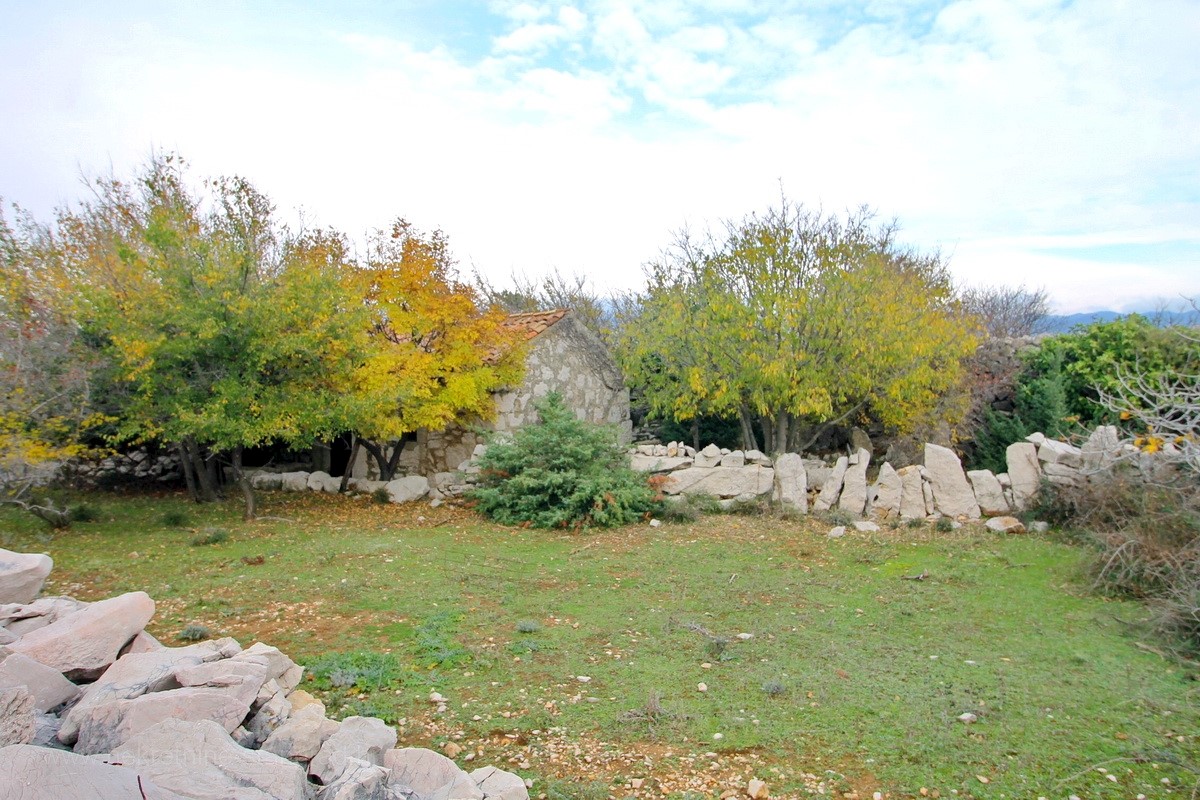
(210, 720)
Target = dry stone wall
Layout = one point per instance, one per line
(91, 706)
(938, 487)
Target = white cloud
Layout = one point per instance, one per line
(1002, 131)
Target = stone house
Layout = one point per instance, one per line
(564, 357)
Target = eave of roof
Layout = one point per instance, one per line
(532, 324)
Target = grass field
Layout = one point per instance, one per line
(576, 659)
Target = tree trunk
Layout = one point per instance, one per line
(376, 453)
(696, 434)
(189, 472)
(349, 464)
(204, 471)
(749, 442)
(244, 484)
(768, 430)
(782, 425)
(388, 464)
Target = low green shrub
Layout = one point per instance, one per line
(561, 473)
(195, 633)
(361, 670)
(174, 519)
(209, 536)
(83, 512)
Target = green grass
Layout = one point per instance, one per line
(868, 672)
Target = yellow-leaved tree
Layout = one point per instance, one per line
(438, 351)
(795, 320)
(44, 388)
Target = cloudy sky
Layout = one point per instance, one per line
(1039, 142)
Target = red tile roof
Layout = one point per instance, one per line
(533, 323)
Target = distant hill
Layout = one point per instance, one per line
(1061, 323)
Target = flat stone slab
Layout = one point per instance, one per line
(82, 645)
(40, 773)
(22, 575)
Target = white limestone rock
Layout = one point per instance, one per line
(300, 738)
(734, 482)
(734, 458)
(832, 488)
(708, 457)
(1005, 525)
(280, 667)
(293, 481)
(201, 761)
(17, 716)
(108, 725)
(1024, 472)
(951, 492)
(758, 457)
(1052, 451)
(1101, 450)
(912, 493)
(135, 674)
(408, 489)
(888, 491)
(266, 481)
(82, 645)
(22, 575)
(41, 773)
(853, 498)
(791, 482)
(429, 774)
(47, 686)
(497, 784)
(988, 493)
(658, 464)
(22, 618)
(365, 738)
(359, 780)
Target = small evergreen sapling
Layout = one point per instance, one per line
(559, 473)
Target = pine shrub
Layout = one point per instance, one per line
(561, 473)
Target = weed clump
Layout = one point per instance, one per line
(839, 516)
(561, 473)
(688, 508)
(774, 688)
(361, 670)
(381, 495)
(195, 633)
(528, 626)
(174, 519)
(209, 536)
(83, 512)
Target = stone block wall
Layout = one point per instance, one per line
(938, 487)
(571, 360)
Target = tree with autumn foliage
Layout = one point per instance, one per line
(220, 328)
(795, 320)
(438, 351)
(45, 398)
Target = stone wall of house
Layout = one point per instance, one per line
(566, 358)
(571, 360)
